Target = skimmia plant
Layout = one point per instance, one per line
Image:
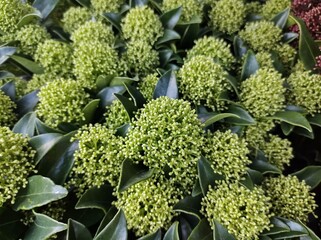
(160, 119)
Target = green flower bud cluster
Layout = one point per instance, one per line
(215, 48)
(273, 7)
(263, 93)
(290, 197)
(98, 158)
(104, 6)
(201, 80)
(305, 90)
(227, 154)
(265, 59)
(228, 15)
(55, 210)
(191, 8)
(261, 35)
(168, 137)
(148, 84)
(256, 134)
(15, 164)
(92, 31)
(245, 213)
(62, 100)
(278, 151)
(287, 55)
(148, 205)
(29, 37)
(142, 24)
(7, 107)
(75, 17)
(55, 57)
(253, 8)
(19, 83)
(116, 115)
(39, 80)
(11, 12)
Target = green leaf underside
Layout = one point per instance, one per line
(26, 125)
(293, 118)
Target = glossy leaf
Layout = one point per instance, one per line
(88, 217)
(168, 36)
(43, 227)
(39, 191)
(170, 19)
(132, 173)
(209, 118)
(256, 176)
(166, 86)
(27, 103)
(247, 181)
(165, 56)
(11, 226)
(153, 236)
(289, 37)
(278, 227)
(45, 7)
(107, 95)
(120, 81)
(84, 3)
(6, 74)
(244, 117)
(43, 128)
(28, 64)
(114, 19)
(315, 120)
(172, 232)
(27, 19)
(137, 3)
(112, 211)
(6, 52)
(9, 89)
(293, 118)
(90, 109)
(123, 130)
(281, 18)
(77, 231)
(264, 167)
(286, 128)
(136, 96)
(220, 232)
(240, 48)
(250, 65)
(311, 234)
(311, 175)
(103, 81)
(115, 230)
(26, 125)
(202, 231)
(95, 197)
(129, 106)
(303, 132)
(190, 205)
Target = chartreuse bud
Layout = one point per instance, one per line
(116, 115)
(202, 81)
(39, 80)
(148, 84)
(290, 197)
(7, 107)
(191, 8)
(62, 101)
(245, 213)
(15, 164)
(75, 17)
(106, 6)
(273, 7)
(19, 83)
(256, 134)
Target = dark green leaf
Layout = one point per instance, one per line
(220, 232)
(112, 211)
(166, 86)
(137, 3)
(289, 37)
(311, 234)
(6, 52)
(264, 167)
(277, 63)
(42, 128)
(115, 230)
(107, 95)
(103, 81)
(152, 236)
(84, 3)
(315, 120)
(95, 197)
(9, 89)
(45, 7)
(132, 173)
(114, 19)
(311, 175)
(184, 227)
(286, 128)
(11, 226)
(202, 231)
(120, 81)
(303, 132)
(190, 205)
(278, 227)
(90, 109)
(209, 118)
(197, 190)
(169, 35)
(26, 125)
(165, 56)
(43, 227)
(28, 64)
(172, 232)
(27, 19)
(27, 103)
(256, 176)
(77, 231)
(136, 95)
(250, 65)
(293, 118)
(129, 106)
(170, 19)
(234, 83)
(88, 216)
(123, 130)
(244, 117)
(281, 18)
(6, 74)
(247, 181)
(67, 127)
(240, 48)
(189, 31)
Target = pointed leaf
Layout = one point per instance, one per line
(42, 128)
(153, 236)
(240, 48)
(112, 211)
(123, 130)
(310, 174)
(202, 231)
(190, 205)
(84, 3)
(170, 19)
(45, 7)
(172, 232)
(209, 118)
(281, 18)
(6, 52)
(311, 236)
(88, 217)
(303, 132)
(26, 125)
(220, 232)
(165, 56)
(286, 128)
(129, 106)
(189, 32)
(244, 117)
(9, 89)
(256, 176)
(168, 36)
(27, 103)
(90, 109)
(166, 86)
(77, 231)
(39, 191)
(264, 167)
(114, 19)
(132, 173)
(289, 37)
(107, 95)
(6, 74)
(293, 118)
(115, 230)
(27, 19)
(278, 227)
(28, 64)
(136, 95)
(120, 81)
(11, 226)
(315, 120)
(250, 65)
(43, 227)
(138, 3)
(103, 81)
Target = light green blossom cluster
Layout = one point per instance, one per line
(55, 57)
(245, 213)
(7, 107)
(20, 85)
(201, 80)
(98, 159)
(11, 12)
(227, 153)
(191, 8)
(262, 94)
(92, 31)
(278, 151)
(148, 205)
(148, 84)
(264, 58)
(15, 164)
(75, 17)
(290, 197)
(215, 48)
(273, 7)
(253, 7)
(256, 134)
(287, 55)
(305, 89)
(228, 15)
(30, 36)
(39, 80)
(142, 24)
(105, 6)
(168, 137)
(261, 35)
(116, 115)
(62, 101)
